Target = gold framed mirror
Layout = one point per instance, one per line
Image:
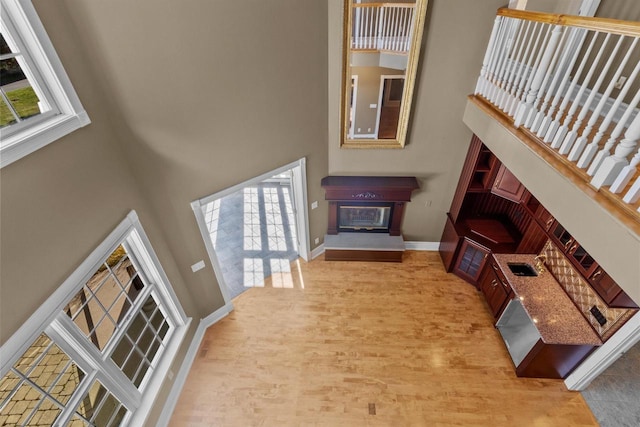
(381, 47)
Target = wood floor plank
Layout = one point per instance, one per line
(410, 339)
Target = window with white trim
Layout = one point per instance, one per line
(97, 355)
(37, 101)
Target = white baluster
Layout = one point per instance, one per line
(541, 70)
(606, 150)
(496, 90)
(566, 63)
(626, 174)
(572, 135)
(383, 29)
(392, 33)
(537, 113)
(495, 60)
(487, 56)
(576, 152)
(555, 128)
(633, 194)
(523, 70)
(515, 63)
(613, 165)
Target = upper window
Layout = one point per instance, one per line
(37, 101)
(97, 351)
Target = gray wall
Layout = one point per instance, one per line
(186, 99)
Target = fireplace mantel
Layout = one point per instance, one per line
(369, 189)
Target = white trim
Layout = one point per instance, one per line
(301, 204)
(422, 246)
(181, 378)
(626, 337)
(49, 318)
(20, 341)
(252, 181)
(302, 215)
(354, 104)
(380, 94)
(365, 136)
(23, 18)
(211, 251)
(319, 250)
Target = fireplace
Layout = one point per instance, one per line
(366, 204)
(364, 217)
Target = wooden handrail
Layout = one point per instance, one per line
(614, 26)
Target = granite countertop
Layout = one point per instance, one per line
(558, 320)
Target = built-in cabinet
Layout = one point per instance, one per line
(493, 212)
(507, 185)
(495, 287)
(471, 260)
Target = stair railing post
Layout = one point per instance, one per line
(525, 107)
(617, 131)
(488, 54)
(515, 64)
(556, 132)
(568, 143)
(523, 70)
(612, 166)
(540, 105)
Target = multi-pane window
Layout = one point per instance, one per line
(18, 99)
(92, 365)
(37, 101)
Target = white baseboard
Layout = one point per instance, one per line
(422, 246)
(411, 246)
(181, 377)
(317, 251)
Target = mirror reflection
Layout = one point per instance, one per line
(381, 48)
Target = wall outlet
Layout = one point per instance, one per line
(197, 266)
(620, 82)
(428, 203)
(314, 205)
(316, 240)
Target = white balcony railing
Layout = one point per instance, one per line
(573, 84)
(385, 27)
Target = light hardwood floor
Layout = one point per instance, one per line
(344, 340)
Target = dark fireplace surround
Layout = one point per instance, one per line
(367, 204)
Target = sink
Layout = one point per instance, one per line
(522, 269)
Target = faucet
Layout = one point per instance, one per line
(540, 260)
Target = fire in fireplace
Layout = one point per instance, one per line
(364, 217)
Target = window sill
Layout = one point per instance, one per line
(24, 143)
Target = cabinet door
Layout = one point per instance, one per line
(507, 185)
(561, 236)
(448, 244)
(544, 217)
(471, 260)
(581, 259)
(604, 285)
(495, 289)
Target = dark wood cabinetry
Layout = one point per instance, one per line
(600, 281)
(471, 259)
(493, 212)
(543, 217)
(495, 287)
(449, 243)
(507, 185)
